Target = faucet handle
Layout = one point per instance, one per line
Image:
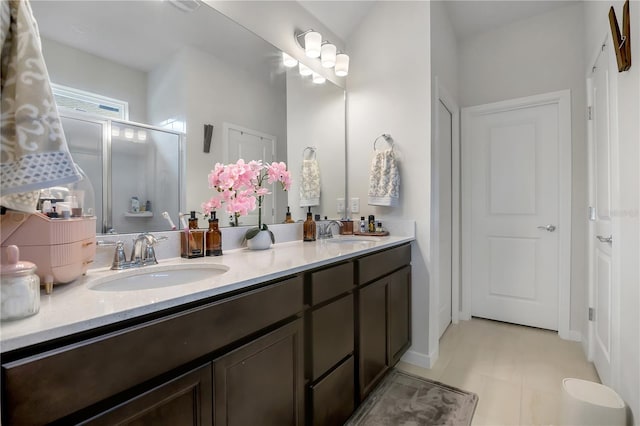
(119, 258)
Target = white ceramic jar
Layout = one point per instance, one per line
(19, 287)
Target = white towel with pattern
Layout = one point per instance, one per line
(384, 179)
(310, 183)
(33, 149)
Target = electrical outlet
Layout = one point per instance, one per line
(340, 205)
(355, 205)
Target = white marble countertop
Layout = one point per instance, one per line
(76, 307)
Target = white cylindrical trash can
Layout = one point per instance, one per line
(588, 403)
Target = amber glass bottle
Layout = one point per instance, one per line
(287, 218)
(214, 238)
(309, 228)
(196, 238)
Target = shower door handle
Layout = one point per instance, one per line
(608, 240)
(549, 228)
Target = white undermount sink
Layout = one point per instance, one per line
(152, 277)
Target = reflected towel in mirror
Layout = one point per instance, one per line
(310, 183)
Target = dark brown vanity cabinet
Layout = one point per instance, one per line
(131, 369)
(330, 360)
(301, 350)
(384, 313)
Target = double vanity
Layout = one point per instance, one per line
(298, 334)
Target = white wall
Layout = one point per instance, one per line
(531, 56)
(626, 210)
(212, 92)
(389, 91)
(74, 68)
(444, 67)
(316, 117)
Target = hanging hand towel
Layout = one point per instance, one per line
(310, 183)
(384, 180)
(33, 149)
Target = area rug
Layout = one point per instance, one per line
(404, 399)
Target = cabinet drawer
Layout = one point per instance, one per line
(331, 335)
(64, 380)
(333, 397)
(379, 264)
(331, 282)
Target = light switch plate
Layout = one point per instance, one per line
(340, 205)
(355, 205)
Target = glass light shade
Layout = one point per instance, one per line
(115, 131)
(304, 70)
(342, 64)
(328, 55)
(288, 61)
(128, 133)
(142, 135)
(318, 79)
(312, 42)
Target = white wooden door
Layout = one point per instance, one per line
(252, 145)
(445, 134)
(600, 215)
(512, 209)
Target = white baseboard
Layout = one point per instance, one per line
(464, 316)
(419, 359)
(573, 335)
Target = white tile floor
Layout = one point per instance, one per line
(516, 371)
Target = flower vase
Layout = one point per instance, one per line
(261, 241)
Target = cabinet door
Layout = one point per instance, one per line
(332, 398)
(185, 400)
(261, 383)
(399, 311)
(372, 339)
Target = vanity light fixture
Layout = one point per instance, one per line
(342, 65)
(128, 133)
(305, 71)
(288, 60)
(312, 42)
(328, 55)
(115, 131)
(142, 135)
(318, 79)
(314, 47)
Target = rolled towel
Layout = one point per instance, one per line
(384, 179)
(310, 183)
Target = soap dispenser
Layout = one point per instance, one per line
(287, 218)
(309, 228)
(214, 237)
(192, 240)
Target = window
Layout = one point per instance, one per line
(92, 103)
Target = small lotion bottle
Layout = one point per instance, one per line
(214, 237)
(309, 228)
(287, 218)
(363, 225)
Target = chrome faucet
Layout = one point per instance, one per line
(324, 229)
(142, 253)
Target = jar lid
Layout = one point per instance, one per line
(14, 265)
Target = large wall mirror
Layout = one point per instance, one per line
(179, 70)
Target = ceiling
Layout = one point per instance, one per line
(468, 17)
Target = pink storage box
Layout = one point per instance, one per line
(62, 249)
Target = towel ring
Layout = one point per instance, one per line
(309, 148)
(387, 137)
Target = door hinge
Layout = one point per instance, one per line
(592, 314)
(592, 214)
(589, 113)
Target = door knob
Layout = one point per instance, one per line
(602, 239)
(549, 228)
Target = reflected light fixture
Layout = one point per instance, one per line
(128, 133)
(288, 61)
(342, 65)
(115, 131)
(318, 79)
(304, 70)
(142, 135)
(328, 55)
(312, 42)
